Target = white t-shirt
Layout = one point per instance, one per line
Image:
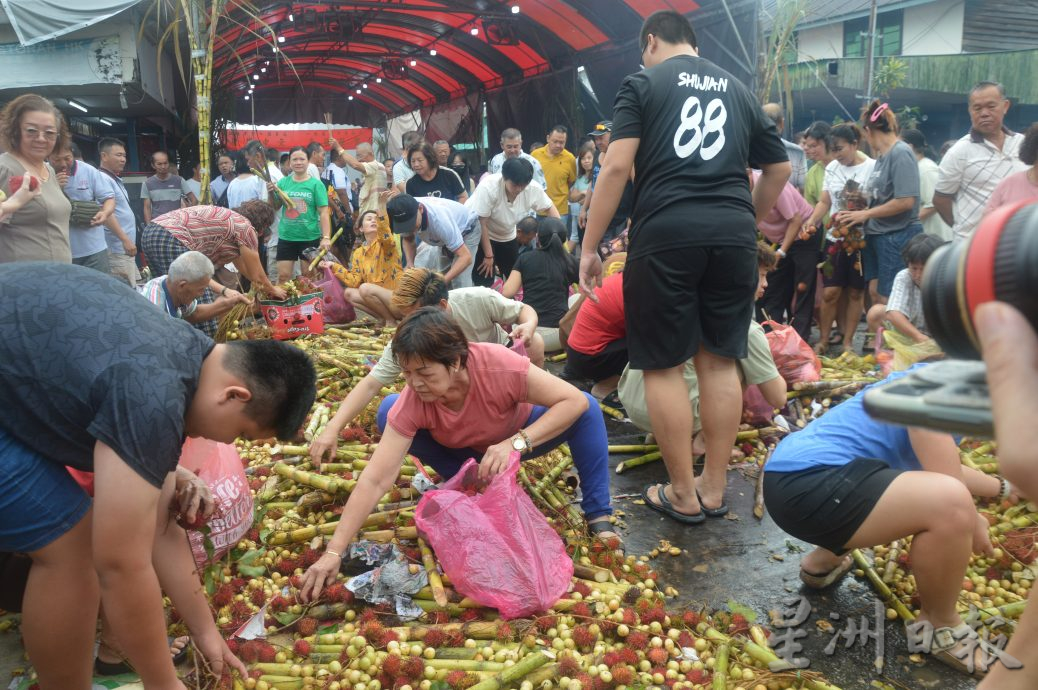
(490, 201)
(934, 225)
(248, 188)
(447, 222)
(836, 177)
(401, 172)
(538, 173)
(338, 177)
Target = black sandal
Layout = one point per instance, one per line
(119, 668)
(667, 508)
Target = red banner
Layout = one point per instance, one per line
(284, 139)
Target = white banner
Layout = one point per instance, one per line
(61, 63)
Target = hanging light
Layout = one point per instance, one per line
(246, 96)
(515, 9)
(474, 31)
(414, 63)
(433, 52)
(281, 39)
(351, 98)
(378, 80)
(77, 106)
(365, 86)
(263, 69)
(256, 77)
(290, 17)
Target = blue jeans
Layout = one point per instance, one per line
(881, 257)
(587, 442)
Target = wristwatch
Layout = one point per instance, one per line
(521, 444)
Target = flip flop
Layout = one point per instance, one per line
(829, 578)
(667, 508)
(719, 511)
(946, 640)
(613, 400)
(119, 668)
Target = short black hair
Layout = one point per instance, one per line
(848, 131)
(527, 224)
(281, 379)
(914, 138)
(433, 335)
(517, 171)
(105, 145)
(272, 154)
(667, 25)
(918, 249)
(1029, 147)
(819, 131)
(313, 147)
(241, 162)
(987, 84)
(561, 129)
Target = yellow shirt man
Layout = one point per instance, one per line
(560, 168)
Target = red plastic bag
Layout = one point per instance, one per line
(794, 358)
(755, 409)
(493, 543)
(219, 466)
(337, 309)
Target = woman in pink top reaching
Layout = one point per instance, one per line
(465, 400)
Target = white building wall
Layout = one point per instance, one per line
(934, 28)
(820, 43)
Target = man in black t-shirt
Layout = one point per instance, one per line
(97, 379)
(690, 130)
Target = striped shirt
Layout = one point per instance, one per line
(155, 292)
(217, 232)
(971, 170)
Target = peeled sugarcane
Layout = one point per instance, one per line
(636, 462)
(633, 449)
(332, 485)
(881, 587)
(324, 250)
(720, 677)
(611, 411)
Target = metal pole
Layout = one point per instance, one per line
(869, 64)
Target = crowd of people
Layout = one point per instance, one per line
(650, 256)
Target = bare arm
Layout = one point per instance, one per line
(322, 448)
(944, 205)
(462, 260)
(513, 285)
(125, 506)
(773, 177)
(774, 391)
(564, 401)
(792, 230)
(112, 223)
(146, 203)
(408, 244)
(248, 263)
(903, 326)
(567, 321)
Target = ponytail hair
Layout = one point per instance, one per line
(878, 117)
(550, 232)
(847, 131)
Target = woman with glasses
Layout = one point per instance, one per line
(30, 127)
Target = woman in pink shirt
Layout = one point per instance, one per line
(465, 400)
(1023, 185)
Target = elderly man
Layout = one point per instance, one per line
(977, 162)
(83, 182)
(164, 191)
(560, 169)
(797, 158)
(512, 147)
(500, 201)
(179, 291)
(363, 162)
(442, 148)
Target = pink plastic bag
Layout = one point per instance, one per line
(794, 358)
(337, 309)
(519, 348)
(493, 543)
(755, 409)
(219, 466)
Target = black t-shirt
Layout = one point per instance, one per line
(446, 185)
(84, 358)
(548, 297)
(699, 129)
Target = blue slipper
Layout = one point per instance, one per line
(667, 508)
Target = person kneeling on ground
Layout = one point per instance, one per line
(120, 411)
(903, 312)
(483, 315)
(594, 334)
(849, 481)
(375, 267)
(179, 291)
(471, 400)
(757, 368)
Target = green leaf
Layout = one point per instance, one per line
(249, 557)
(747, 613)
(328, 629)
(252, 570)
(210, 581)
(264, 533)
(286, 618)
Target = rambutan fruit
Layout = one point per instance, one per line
(569, 666)
(585, 681)
(267, 653)
(504, 633)
(296, 580)
(622, 674)
(240, 610)
(546, 623)
(374, 632)
(685, 639)
(286, 566)
(631, 595)
(234, 645)
(249, 651)
(278, 604)
(610, 658)
(581, 610)
(257, 597)
(690, 618)
(657, 656)
(309, 557)
(655, 614)
(434, 638)
(627, 656)
(455, 638)
(413, 668)
(630, 618)
(301, 648)
(239, 583)
(699, 676)
(253, 535)
(637, 640)
(223, 596)
(368, 615)
(392, 665)
(306, 626)
(456, 679)
(583, 589)
(739, 625)
(469, 615)
(583, 637)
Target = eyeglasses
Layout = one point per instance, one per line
(33, 133)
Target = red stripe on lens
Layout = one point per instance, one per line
(980, 261)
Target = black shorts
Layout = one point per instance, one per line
(291, 250)
(825, 506)
(609, 362)
(845, 270)
(677, 299)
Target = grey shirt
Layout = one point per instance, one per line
(895, 176)
(798, 161)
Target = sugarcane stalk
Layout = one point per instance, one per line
(758, 635)
(476, 630)
(633, 449)
(388, 535)
(758, 490)
(592, 573)
(275, 669)
(435, 583)
(551, 475)
(891, 567)
(514, 673)
(557, 358)
(720, 677)
(849, 389)
(304, 534)
(283, 682)
(324, 250)
(1008, 611)
(611, 411)
(465, 664)
(764, 655)
(881, 587)
(567, 507)
(332, 485)
(637, 462)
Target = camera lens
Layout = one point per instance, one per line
(998, 262)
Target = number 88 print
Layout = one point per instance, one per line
(692, 120)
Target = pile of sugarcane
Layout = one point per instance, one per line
(995, 588)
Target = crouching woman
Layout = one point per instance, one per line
(849, 481)
(471, 400)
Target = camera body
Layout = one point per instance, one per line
(998, 262)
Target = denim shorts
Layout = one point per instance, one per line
(40, 501)
(881, 257)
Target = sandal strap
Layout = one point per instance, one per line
(946, 638)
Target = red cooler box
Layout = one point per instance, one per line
(296, 316)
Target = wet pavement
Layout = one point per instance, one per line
(754, 563)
